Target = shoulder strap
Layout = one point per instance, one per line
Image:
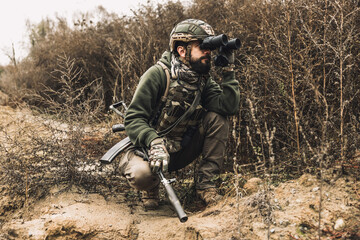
(166, 69)
(163, 98)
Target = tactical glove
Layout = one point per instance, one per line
(158, 155)
(229, 54)
(226, 58)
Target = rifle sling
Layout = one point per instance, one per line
(188, 112)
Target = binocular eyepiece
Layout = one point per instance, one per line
(221, 42)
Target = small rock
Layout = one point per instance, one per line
(293, 191)
(272, 230)
(284, 223)
(339, 224)
(315, 189)
(252, 185)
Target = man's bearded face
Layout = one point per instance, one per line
(202, 64)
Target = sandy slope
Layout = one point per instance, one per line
(76, 215)
(292, 209)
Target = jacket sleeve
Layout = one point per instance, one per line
(137, 120)
(223, 99)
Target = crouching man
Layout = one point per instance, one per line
(179, 112)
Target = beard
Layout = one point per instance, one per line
(199, 67)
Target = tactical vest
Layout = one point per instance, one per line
(180, 97)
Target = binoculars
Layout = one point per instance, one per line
(221, 42)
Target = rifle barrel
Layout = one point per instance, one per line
(173, 198)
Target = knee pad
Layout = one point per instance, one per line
(143, 178)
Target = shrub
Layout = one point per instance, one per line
(297, 72)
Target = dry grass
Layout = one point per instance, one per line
(298, 74)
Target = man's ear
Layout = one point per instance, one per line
(182, 51)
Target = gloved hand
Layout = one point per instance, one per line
(229, 54)
(225, 58)
(158, 155)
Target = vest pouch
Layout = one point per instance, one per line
(171, 113)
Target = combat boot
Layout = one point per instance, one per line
(151, 199)
(208, 195)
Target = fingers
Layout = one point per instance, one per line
(152, 165)
(165, 165)
(157, 166)
(158, 155)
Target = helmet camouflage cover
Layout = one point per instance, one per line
(190, 30)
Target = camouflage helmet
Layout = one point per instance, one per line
(190, 30)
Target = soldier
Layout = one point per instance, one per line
(158, 118)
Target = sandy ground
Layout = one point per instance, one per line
(73, 214)
(289, 210)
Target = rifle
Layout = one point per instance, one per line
(109, 156)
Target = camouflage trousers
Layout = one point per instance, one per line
(209, 141)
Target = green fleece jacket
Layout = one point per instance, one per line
(223, 100)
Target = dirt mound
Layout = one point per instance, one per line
(289, 211)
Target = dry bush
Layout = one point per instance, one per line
(39, 152)
(117, 50)
(298, 74)
(297, 69)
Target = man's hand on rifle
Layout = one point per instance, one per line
(158, 155)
